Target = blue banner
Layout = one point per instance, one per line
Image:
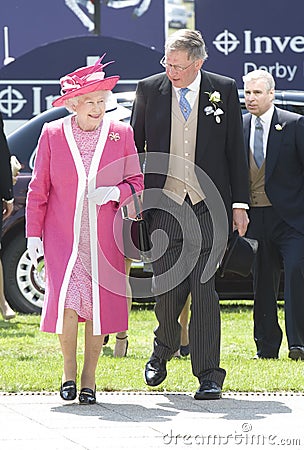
(30, 83)
(42, 41)
(242, 37)
(29, 24)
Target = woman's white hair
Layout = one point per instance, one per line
(70, 103)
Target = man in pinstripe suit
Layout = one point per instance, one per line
(193, 131)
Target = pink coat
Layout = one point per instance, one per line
(54, 209)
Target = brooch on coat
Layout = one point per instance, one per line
(214, 99)
(114, 136)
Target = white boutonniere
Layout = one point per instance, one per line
(114, 136)
(214, 99)
(280, 127)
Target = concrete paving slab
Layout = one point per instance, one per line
(151, 421)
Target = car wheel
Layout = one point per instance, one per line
(24, 286)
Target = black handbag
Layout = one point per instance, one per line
(135, 232)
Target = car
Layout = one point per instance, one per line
(24, 286)
(177, 17)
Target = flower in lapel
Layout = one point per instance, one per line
(214, 99)
(280, 127)
(114, 136)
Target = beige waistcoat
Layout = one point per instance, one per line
(258, 195)
(181, 179)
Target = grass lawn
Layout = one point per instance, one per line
(31, 360)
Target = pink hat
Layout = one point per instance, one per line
(85, 80)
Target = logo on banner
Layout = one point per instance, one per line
(23, 100)
(227, 42)
(11, 101)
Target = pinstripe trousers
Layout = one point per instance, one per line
(180, 253)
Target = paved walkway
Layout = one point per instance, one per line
(151, 421)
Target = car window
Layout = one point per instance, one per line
(296, 108)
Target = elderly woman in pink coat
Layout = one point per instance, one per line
(84, 166)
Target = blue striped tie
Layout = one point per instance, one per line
(184, 104)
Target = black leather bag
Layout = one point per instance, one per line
(135, 231)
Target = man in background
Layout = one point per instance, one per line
(275, 149)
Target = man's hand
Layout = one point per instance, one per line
(7, 209)
(240, 220)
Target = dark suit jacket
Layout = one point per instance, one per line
(219, 146)
(6, 186)
(284, 171)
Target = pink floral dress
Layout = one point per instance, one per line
(79, 293)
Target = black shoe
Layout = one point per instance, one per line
(184, 350)
(87, 396)
(68, 390)
(259, 356)
(106, 339)
(155, 371)
(296, 352)
(208, 390)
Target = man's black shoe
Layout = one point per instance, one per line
(296, 352)
(208, 390)
(259, 356)
(155, 371)
(184, 350)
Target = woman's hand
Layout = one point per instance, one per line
(35, 249)
(104, 194)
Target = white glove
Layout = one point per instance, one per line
(104, 194)
(35, 249)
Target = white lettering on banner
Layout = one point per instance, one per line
(278, 70)
(36, 100)
(227, 42)
(49, 100)
(13, 100)
(267, 44)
